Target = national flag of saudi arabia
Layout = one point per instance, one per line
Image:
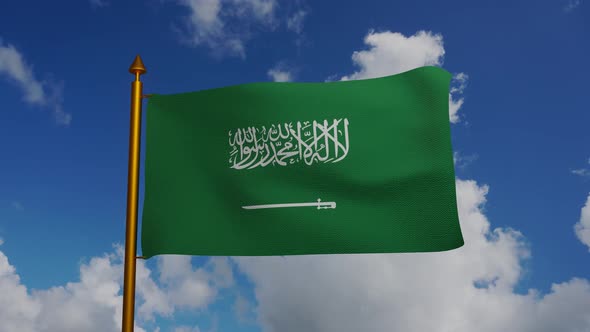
(302, 168)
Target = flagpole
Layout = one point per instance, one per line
(137, 68)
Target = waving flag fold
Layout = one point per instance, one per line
(302, 168)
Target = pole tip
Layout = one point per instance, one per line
(137, 66)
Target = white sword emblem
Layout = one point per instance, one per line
(319, 204)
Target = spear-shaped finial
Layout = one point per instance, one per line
(137, 66)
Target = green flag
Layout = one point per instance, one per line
(302, 168)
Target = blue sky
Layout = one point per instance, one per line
(520, 130)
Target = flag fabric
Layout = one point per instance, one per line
(302, 168)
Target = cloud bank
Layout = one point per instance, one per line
(94, 303)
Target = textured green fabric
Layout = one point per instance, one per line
(376, 152)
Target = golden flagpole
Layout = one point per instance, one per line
(137, 68)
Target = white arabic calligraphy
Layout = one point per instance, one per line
(288, 143)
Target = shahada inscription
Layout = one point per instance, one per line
(289, 143)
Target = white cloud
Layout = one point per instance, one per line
(98, 3)
(223, 25)
(582, 228)
(44, 94)
(155, 300)
(204, 19)
(585, 172)
(18, 310)
(571, 5)
(462, 161)
(581, 171)
(243, 310)
(221, 272)
(187, 287)
(17, 205)
(187, 329)
(458, 85)
(261, 9)
(94, 302)
(295, 22)
(13, 65)
(392, 53)
(468, 289)
(279, 75)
